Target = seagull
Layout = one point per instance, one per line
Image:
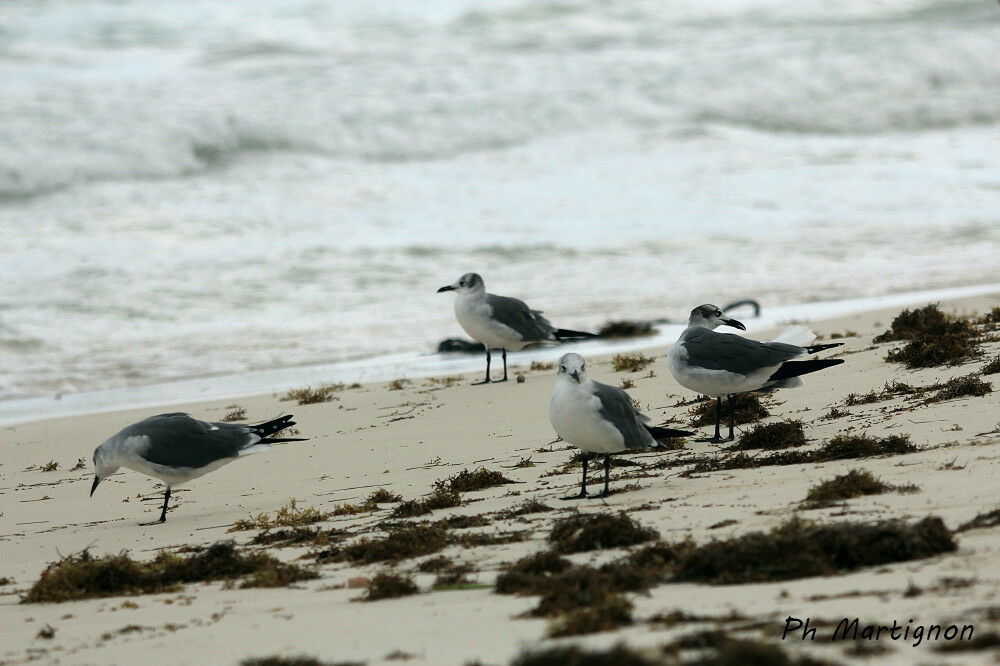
(500, 322)
(598, 418)
(176, 448)
(722, 364)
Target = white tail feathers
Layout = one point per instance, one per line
(799, 336)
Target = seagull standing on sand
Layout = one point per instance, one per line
(723, 364)
(500, 322)
(598, 418)
(176, 448)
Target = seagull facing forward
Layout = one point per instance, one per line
(598, 418)
(500, 322)
(176, 448)
(723, 364)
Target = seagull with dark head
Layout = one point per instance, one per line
(176, 448)
(723, 364)
(500, 322)
(599, 419)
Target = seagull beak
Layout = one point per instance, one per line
(576, 376)
(97, 480)
(448, 288)
(734, 324)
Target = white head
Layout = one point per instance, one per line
(572, 367)
(711, 317)
(105, 464)
(470, 283)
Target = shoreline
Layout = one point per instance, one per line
(419, 365)
(408, 439)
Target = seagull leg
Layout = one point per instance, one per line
(607, 474)
(583, 484)
(163, 512)
(732, 418)
(504, 351)
(718, 424)
(487, 380)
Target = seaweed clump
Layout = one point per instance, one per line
(388, 585)
(932, 338)
(841, 447)
(624, 328)
(301, 660)
(799, 549)
(856, 483)
(397, 544)
(289, 515)
(748, 408)
(771, 436)
(631, 362)
(83, 576)
(312, 396)
(439, 499)
(574, 655)
(962, 387)
(992, 367)
(466, 481)
(580, 532)
(526, 507)
(982, 520)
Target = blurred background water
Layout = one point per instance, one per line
(203, 186)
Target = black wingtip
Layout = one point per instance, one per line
(566, 334)
(812, 349)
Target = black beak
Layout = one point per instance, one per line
(97, 480)
(575, 375)
(448, 288)
(734, 324)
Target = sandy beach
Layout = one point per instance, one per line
(404, 438)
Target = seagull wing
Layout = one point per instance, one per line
(733, 353)
(517, 316)
(618, 410)
(178, 440)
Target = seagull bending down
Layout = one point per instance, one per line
(598, 418)
(176, 448)
(500, 322)
(722, 364)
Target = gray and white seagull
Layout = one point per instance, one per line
(176, 448)
(723, 364)
(500, 322)
(597, 418)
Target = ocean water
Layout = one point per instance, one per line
(192, 188)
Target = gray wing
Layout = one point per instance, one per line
(177, 440)
(725, 351)
(617, 409)
(515, 314)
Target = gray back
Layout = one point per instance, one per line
(617, 408)
(515, 314)
(734, 353)
(178, 440)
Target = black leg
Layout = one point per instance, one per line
(166, 499)
(732, 416)
(504, 351)
(607, 474)
(715, 439)
(163, 511)
(487, 380)
(583, 483)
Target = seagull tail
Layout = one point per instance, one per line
(791, 369)
(268, 428)
(800, 336)
(659, 433)
(566, 334)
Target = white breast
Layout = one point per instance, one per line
(575, 416)
(712, 382)
(474, 316)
